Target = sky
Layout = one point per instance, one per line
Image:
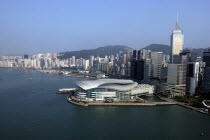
(37, 26)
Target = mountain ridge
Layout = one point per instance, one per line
(113, 49)
(101, 52)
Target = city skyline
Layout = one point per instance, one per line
(67, 26)
(123, 69)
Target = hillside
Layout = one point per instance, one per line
(159, 48)
(101, 52)
(166, 49)
(113, 50)
(199, 51)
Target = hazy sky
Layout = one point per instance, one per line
(36, 26)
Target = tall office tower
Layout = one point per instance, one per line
(139, 71)
(122, 70)
(206, 57)
(136, 54)
(149, 66)
(129, 55)
(157, 59)
(129, 69)
(177, 41)
(91, 61)
(176, 80)
(73, 61)
(192, 77)
(124, 59)
(86, 64)
(96, 65)
(206, 71)
(138, 68)
(112, 60)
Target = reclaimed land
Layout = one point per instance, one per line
(117, 103)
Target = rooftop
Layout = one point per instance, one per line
(115, 84)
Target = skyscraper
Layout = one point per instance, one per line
(138, 69)
(206, 74)
(91, 60)
(176, 80)
(157, 59)
(177, 41)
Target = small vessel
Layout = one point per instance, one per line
(66, 90)
(29, 78)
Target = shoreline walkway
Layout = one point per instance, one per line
(184, 105)
(168, 102)
(120, 104)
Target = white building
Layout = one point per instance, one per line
(117, 89)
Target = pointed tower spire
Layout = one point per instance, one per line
(177, 19)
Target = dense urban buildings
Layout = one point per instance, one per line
(181, 73)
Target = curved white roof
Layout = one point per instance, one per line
(115, 84)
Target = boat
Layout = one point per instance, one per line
(29, 78)
(66, 90)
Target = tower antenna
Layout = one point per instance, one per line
(177, 18)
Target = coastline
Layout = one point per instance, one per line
(166, 103)
(129, 104)
(119, 103)
(185, 105)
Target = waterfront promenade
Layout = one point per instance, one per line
(184, 105)
(119, 103)
(168, 101)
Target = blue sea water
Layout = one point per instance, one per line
(31, 109)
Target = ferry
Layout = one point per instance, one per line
(66, 90)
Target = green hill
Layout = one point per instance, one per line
(101, 52)
(159, 48)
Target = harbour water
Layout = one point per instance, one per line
(31, 109)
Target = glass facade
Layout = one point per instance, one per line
(177, 45)
(89, 93)
(177, 41)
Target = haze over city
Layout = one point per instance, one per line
(105, 69)
(38, 26)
